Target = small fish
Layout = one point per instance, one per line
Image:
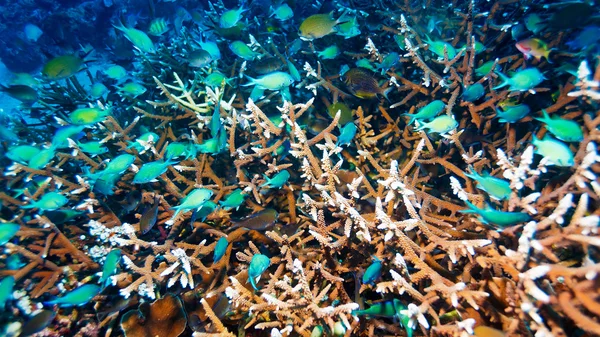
(37, 323)
(61, 216)
(62, 67)
(115, 72)
(178, 149)
(110, 267)
(258, 265)
(394, 308)
(479, 48)
(138, 38)
(202, 213)
(24, 79)
(534, 23)
(199, 58)
(158, 27)
(216, 79)
(441, 124)
(437, 47)
(6, 289)
(60, 140)
(7, 232)
(22, 153)
(587, 38)
(23, 93)
(372, 273)
(77, 297)
(346, 114)
(132, 89)
(220, 249)
(294, 71)
(231, 17)
(149, 217)
(535, 48)
(212, 48)
(242, 50)
(277, 181)
(32, 32)
(427, 112)
(233, 200)
(282, 13)
(150, 171)
(194, 200)
(319, 25)
(43, 158)
(273, 81)
(119, 164)
(362, 63)
(347, 134)
(105, 183)
(88, 116)
(512, 114)
(473, 92)
(363, 84)
(209, 146)
(490, 216)
(497, 188)
(388, 62)
(432, 24)
(523, 80)
(144, 141)
(518, 31)
(49, 201)
(563, 129)
(259, 221)
(485, 68)
(98, 90)
(93, 148)
(267, 65)
(329, 53)
(555, 151)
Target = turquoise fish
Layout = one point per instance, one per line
(233, 200)
(282, 12)
(277, 181)
(150, 171)
(6, 289)
(437, 47)
(329, 53)
(441, 124)
(61, 136)
(138, 38)
(194, 200)
(522, 80)
(490, 216)
(373, 272)
(513, 113)
(242, 50)
(231, 17)
(389, 309)
(274, 81)
(110, 266)
(473, 92)
(119, 164)
(43, 158)
(496, 188)
(258, 265)
(48, 202)
(220, 249)
(427, 112)
(563, 129)
(7, 232)
(555, 151)
(22, 153)
(76, 297)
(88, 116)
(347, 134)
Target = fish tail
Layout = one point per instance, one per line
(505, 81)
(252, 81)
(267, 182)
(547, 54)
(472, 209)
(386, 92)
(545, 116)
(412, 118)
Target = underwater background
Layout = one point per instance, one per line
(299, 168)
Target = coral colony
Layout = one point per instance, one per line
(349, 168)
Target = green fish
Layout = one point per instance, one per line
(138, 38)
(497, 188)
(158, 27)
(277, 181)
(6, 289)
(427, 112)
(209, 146)
(178, 149)
(194, 200)
(40, 160)
(512, 114)
(231, 17)
(390, 309)
(233, 200)
(555, 151)
(93, 148)
(22, 153)
(347, 134)
(150, 171)
(274, 81)
(240, 49)
(258, 265)
(372, 273)
(216, 79)
(282, 12)
(207, 208)
(61, 136)
(110, 266)
(522, 80)
(348, 29)
(484, 69)
(115, 72)
(473, 92)
(563, 129)
(7, 232)
(220, 249)
(23, 93)
(98, 90)
(437, 47)
(138, 145)
(105, 183)
(365, 63)
(119, 164)
(329, 53)
(77, 297)
(62, 67)
(87, 116)
(48, 202)
(490, 216)
(441, 124)
(132, 89)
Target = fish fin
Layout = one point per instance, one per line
(505, 81)
(252, 81)
(386, 92)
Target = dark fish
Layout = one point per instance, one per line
(259, 221)
(132, 201)
(148, 219)
(362, 84)
(37, 323)
(267, 65)
(23, 93)
(199, 58)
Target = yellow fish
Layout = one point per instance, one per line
(319, 25)
(362, 84)
(158, 27)
(62, 67)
